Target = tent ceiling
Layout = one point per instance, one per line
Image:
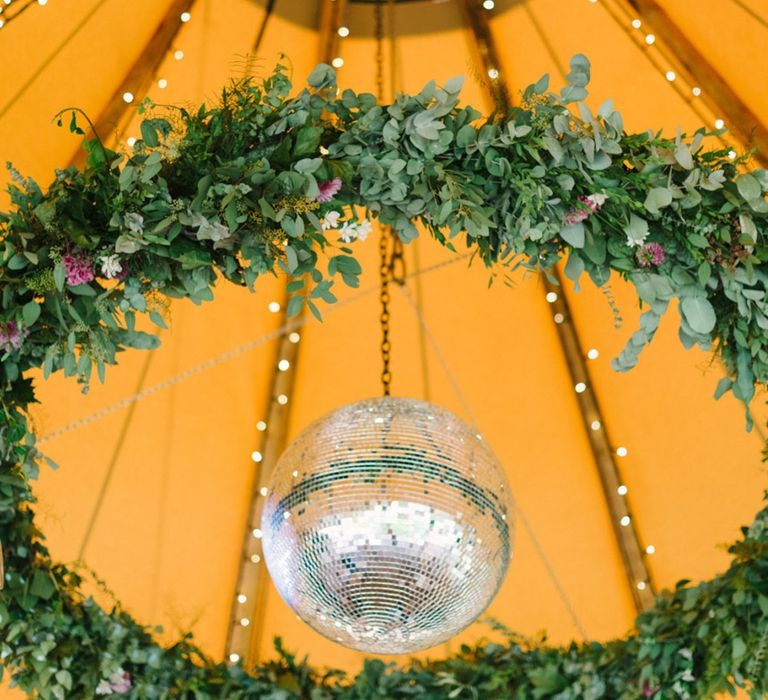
(176, 505)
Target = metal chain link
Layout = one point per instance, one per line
(384, 298)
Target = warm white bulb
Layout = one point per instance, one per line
(185, 17)
(731, 154)
(719, 123)
(242, 598)
(650, 549)
(264, 491)
(580, 387)
(337, 62)
(493, 73)
(551, 297)
(256, 456)
(622, 490)
(636, 23)
(283, 365)
(131, 140)
(295, 473)
(282, 399)
(294, 338)
(258, 534)
(595, 425)
(489, 4)
(593, 354)
(641, 585)
(1, 23)
(234, 658)
(128, 97)
(621, 451)
(624, 521)
(244, 621)
(671, 75)
(178, 55)
(343, 31)
(255, 558)
(696, 91)
(261, 426)
(649, 39)
(42, 2)
(162, 83)
(274, 307)
(559, 318)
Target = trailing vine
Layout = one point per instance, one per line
(269, 183)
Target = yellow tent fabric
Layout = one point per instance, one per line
(167, 539)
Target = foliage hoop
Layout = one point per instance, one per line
(266, 182)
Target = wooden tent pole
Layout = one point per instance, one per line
(140, 75)
(244, 641)
(716, 91)
(637, 573)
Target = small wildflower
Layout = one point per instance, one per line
(348, 232)
(110, 266)
(363, 229)
(651, 254)
(103, 688)
(120, 681)
(328, 190)
(134, 222)
(331, 220)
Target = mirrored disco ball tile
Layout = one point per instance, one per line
(397, 529)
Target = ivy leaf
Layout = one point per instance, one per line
(42, 585)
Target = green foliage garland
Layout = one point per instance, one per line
(265, 182)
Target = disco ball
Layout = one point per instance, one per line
(387, 526)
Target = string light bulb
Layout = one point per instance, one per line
(551, 297)
(178, 55)
(283, 365)
(256, 456)
(261, 426)
(622, 490)
(595, 425)
(242, 598)
(719, 123)
(128, 97)
(670, 75)
(696, 91)
(294, 338)
(650, 39)
(580, 387)
(234, 658)
(337, 62)
(621, 451)
(162, 83)
(625, 520)
(636, 23)
(131, 140)
(493, 73)
(489, 4)
(641, 585)
(343, 31)
(282, 399)
(185, 17)
(650, 549)
(274, 307)
(593, 354)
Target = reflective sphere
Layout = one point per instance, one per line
(387, 526)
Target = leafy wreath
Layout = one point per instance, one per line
(265, 182)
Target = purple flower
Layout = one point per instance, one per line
(328, 190)
(11, 336)
(651, 254)
(576, 216)
(79, 268)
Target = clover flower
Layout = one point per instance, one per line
(593, 204)
(651, 254)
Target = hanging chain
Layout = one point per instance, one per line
(385, 269)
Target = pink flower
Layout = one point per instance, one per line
(328, 190)
(11, 336)
(649, 692)
(79, 268)
(651, 254)
(120, 682)
(593, 203)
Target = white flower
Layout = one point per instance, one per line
(636, 230)
(103, 688)
(597, 199)
(687, 676)
(686, 653)
(348, 232)
(331, 220)
(363, 229)
(110, 266)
